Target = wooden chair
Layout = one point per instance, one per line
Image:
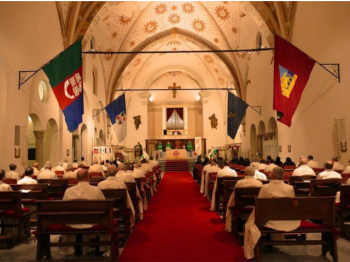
(301, 184)
(325, 187)
(299, 208)
(10, 181)
(57, 187)
(13, 215)
(120, 208)
(244, 205)
(55, 216)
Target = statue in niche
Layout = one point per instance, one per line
(213, 121)
(137, 121)
(138, 151)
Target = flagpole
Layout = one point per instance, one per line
(322, 65)
(36, 71)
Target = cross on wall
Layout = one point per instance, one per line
(174, 88)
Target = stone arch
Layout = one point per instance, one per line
(272, 130)
(261, 138)
(101, 138)
(36, 121)
(190, 35)
(51, 142)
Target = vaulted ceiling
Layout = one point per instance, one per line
(171, 26)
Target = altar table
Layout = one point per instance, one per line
(176, 154)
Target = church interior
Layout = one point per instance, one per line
(175, 63)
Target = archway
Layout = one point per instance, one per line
(261, 138)
(51, 142)
(253, 143)
(34, 124)
(271, 144)
(101, 141)
(84, 142)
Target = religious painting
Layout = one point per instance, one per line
(213, 121)
(137, 121)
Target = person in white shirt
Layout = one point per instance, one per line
(46, 163)
(75, 163)
(3, 186)
(80, 166)
(212, 169)
(337, 165)
(262, 164)
(347, 169)
(104, 167)
(70, 173)
(303, 169)
(124, 175)
(270, 167)
(96, 168)
(36, 169)
(59, 168)
(328, 173)
(82, 191)
(47, 173)
(258, 175)
(248, 181)
(311, 162)
(138, 172)
(12, 174)
(205, 170)
(83, 163)
(27, 179)
(275, 189)
(65, 164)
(225, 172)
(300, 158)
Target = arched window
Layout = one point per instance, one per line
(43, 91)
(94, 81)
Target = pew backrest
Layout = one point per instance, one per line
(11, 201)
(132, 186)
(326, 187)
(119, 197)
(37, 191)
(220, 183)
(55, 185)
(298, 208)
(344, 204)
(245, 196)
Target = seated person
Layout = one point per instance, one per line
(262, 164)
(102, 163)
(247, 181)
(65, 164)
(278, 161)
(27, 179)
(311, 162)
(96, 168)
(258, 175)
(138, 172)
(270, 167)
(225, 172)
(3, 186)
(211, 169)
(83, 190)
(125, 175)
(347, 169)
(275, 189)
(80, 166)
(75, 163)
(12, 174)
(36, 169)
(303, 169)
(288, 162)
(43, 168)
(70, 173)
(336, 164)
(47, 173)
(59, 168)
(328, 173)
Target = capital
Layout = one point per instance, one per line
(39, 134)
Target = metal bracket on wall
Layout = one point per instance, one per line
(257, 109)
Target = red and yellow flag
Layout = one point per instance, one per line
(292, 70)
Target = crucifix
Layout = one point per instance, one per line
(174, 88)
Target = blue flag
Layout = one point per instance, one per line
(236, 108)
(117, 113)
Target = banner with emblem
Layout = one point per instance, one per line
(66, 79)
(292, 70)
(117, 113)
(236, 109)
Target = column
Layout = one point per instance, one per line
(163, 120)
(75, 147)
(39, 151)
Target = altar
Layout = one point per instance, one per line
(176, 154)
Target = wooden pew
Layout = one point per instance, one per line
(326, 187)
(301, 184)
(299, 208)
(244, 205)
(59, 174)
(57, 187)
(13, 215)
(289, 168)
(343, 209)
(228, 186)
(121, 211)
(54, 216)
(220, 192)
(344, 175)
(318, 170)
(10, 181)
(95, 176)
(212, 178)
(132, 189)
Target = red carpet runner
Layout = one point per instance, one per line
(178, 226)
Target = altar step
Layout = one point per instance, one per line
(176, 166)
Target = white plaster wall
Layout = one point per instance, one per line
(321, 30)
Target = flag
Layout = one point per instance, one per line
(236, 108)
(66, 79)
(117, 113)
(292, 70)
